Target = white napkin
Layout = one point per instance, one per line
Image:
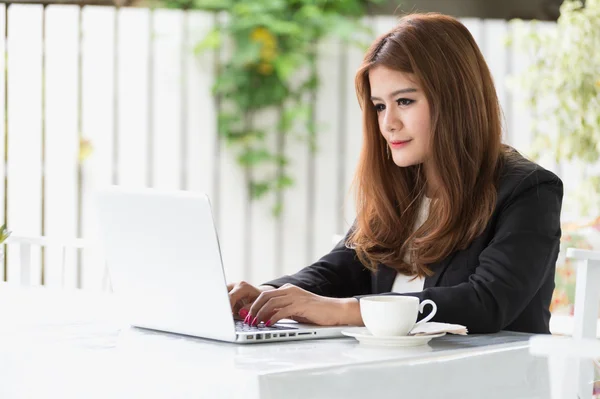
(432, 327)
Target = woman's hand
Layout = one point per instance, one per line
(242, 295)
(293, 302)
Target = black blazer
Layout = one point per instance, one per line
(503, 281)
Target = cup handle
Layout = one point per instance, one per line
(431, 314)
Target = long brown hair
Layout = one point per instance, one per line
(466, 148)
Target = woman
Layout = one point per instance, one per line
(444, 210)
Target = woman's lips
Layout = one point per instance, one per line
(399, 143)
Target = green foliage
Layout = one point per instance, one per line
(271, 48)
(562, 89)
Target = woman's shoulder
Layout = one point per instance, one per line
(518, 174)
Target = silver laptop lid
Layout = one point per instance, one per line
(163, 257)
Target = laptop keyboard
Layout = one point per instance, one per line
(241, 327)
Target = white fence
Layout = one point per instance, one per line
(127, 82)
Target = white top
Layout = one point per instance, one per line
(404, 283)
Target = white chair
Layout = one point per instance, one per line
(26, 244)
(569, 358)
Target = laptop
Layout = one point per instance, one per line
(164, 261)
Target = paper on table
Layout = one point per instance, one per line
(436, 328)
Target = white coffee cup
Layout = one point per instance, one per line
(393, 315)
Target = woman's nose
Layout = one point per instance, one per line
(391, 122)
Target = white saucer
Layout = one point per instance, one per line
(363, 336)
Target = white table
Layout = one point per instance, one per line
(75, 344)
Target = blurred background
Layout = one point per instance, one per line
(253, 103)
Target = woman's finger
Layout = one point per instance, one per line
(243, 310)
(262, 299)
(271, 306)
(241, 291)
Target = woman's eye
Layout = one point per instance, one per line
(404, 101)
(379, 107)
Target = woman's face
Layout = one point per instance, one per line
(403, 115)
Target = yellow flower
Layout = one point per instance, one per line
(267, 54)
(85, 149)
(262, 35)
(265, 69)
(268, 42)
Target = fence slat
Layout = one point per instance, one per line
(232, 206)
(328, 110)
(232, 220)
(62, 29)
(133, 46)
(353, 138)
(519, 131)
(98, 113)
(294, 216)
(495, 53)
(263, 225)
(167, 98)
(24, 126)
(201, 120)
(2, 130)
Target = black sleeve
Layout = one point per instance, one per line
(511, 268)
(338, 274)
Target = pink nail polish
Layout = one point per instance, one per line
(255, 322)
(247, 319)
(243, 313)
(268, 323)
